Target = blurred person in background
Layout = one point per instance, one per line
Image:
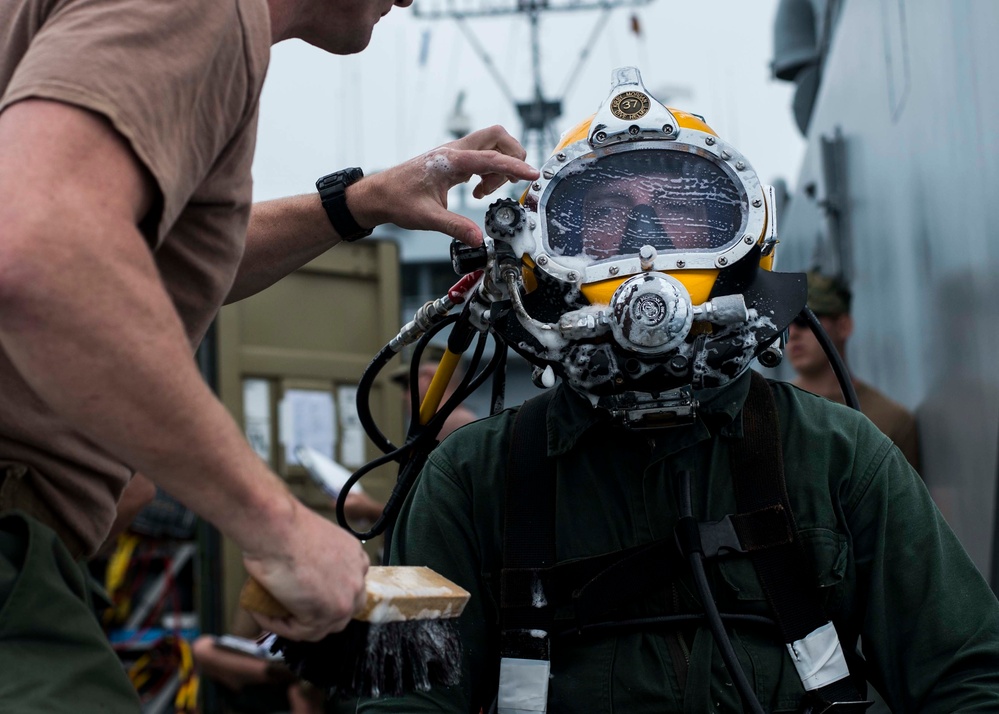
(830, 299)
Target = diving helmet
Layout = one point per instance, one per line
(639, 266)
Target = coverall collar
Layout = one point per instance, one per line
(570, 416)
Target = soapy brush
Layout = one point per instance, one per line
(404, 639)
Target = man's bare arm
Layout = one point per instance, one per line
(88, 324)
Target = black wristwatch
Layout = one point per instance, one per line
(332, 190)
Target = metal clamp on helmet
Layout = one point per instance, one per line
(639, 263)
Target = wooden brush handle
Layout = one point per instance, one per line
(393, 592)
(255, 598)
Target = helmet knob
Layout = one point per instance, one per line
(504, 218)
(652, 313)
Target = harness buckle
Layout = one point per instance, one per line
(719, 538)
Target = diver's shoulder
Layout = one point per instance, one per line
(803, 402)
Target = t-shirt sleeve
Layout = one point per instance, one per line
(176, 79)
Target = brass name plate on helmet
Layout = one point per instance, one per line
(630, 105)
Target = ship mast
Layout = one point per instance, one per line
(538, 113)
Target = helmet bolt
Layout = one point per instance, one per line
(723, 260)
(757, 203)
(710, 141)
(600, 137)
(740, 165)
(634, 130)
(679, 363)
(667, 128)
(536, 186)
(542, 260)
(748, 239)
(681, 263)
(560, 156)
(726, 155)
(613, 270)
(532, 223)
(572, 276)
(548, 173)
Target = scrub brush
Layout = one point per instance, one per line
(404, 639)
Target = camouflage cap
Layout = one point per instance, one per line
(828, 295)
(432, 355)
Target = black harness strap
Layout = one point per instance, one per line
(758, 474)
(566, 583)
(528, 532)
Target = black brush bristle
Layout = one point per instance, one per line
(380, 660)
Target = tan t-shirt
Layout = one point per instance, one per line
(180, 80)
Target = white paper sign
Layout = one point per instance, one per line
(257, 416)
(307, 419)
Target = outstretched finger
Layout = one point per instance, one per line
(486, 162)
(490, 183)
(496, 138)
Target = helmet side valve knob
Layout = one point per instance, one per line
(504, 218)
(723, 310)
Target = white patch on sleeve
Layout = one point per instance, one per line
(818, 657)
(523, 686)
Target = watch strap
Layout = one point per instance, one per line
(333, 193)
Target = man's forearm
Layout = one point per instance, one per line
(91, 330)
(283, 235)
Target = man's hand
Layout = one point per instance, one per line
(413, 195)
(317, 574)
(285, 234)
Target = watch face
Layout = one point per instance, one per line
(344, 177)
(332, 192)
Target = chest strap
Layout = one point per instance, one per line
(528, 517)
(809, 634)
(528, 546)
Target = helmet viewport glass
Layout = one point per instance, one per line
(610, 206)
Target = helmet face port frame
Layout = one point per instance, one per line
(672, 159)
(608, 205)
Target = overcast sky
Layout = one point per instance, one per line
(320, 113)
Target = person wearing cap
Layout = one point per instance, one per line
(428, 367)
(830, 298)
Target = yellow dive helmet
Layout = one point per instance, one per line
(641, 260)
